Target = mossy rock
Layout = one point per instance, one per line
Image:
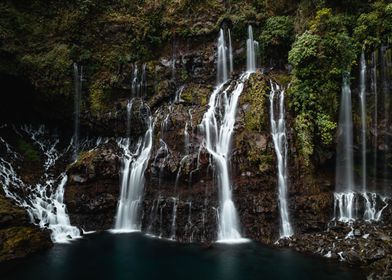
(28, 151)
(196, 94)
(19, 238)
(256, 95)
(253, 136)
(11, 214)
(20, 241)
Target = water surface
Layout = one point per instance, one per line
(137, 257)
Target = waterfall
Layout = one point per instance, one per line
(139, 81)
(132, 182)
(222, 75)
(218, 137)
(78, 79)
(375, 118)
(218, 125)
(165, 124)
(174, 218)
(177, 98)
(279, 137)
(230, 53)
(344, 196)
(251, 46)
(54, 213)
(186, 139)
(143, 82)
(135, 81)
(348, 197)
(344, 164)
(129, 116)
(362, 96)
(43, 201)
(386, 64)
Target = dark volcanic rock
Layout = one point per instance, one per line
(18, 237)
(92, 191)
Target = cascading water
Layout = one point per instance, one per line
(174, 219)
(177, 98)
(230, 53)
(362, 96)
(129, 115)
(375, 117)
(132, 182)
(43, 201)
(278, 128)
(135, 81)
(344, 195)
(143, 82)
(222, 75)
(251, 47)
(218, 143)
(218, 129)
(139, 81)
(348, 198)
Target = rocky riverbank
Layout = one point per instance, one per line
(363, 244)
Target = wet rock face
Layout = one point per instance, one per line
(92, 190)
(181, 196)
(185, 215)
(113, 122)
(311, 213)
(18, 237)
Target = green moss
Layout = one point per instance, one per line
(198, 94)
(20, 241)
(262, 160)
(84, 158)
(304, 130)
(99, 99)
(28, 151)
(277, 37)
(252, 140)
(255, 96)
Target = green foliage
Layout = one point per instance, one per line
(304, 129)
(304, 52)
(375, 26)
(51, 69)
(327, 128)
(319, 56)
(277, 36)
(98, 98)
(28, 151)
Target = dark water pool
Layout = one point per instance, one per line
(136, 257)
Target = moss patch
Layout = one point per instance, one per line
(21, 241)
(256, 95)
(28, 151)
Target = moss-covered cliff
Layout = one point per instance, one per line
(320, 39)
(306, 46)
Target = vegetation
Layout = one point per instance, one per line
(277, 37)
(319, 39)
(28, 151)
(319, 56)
